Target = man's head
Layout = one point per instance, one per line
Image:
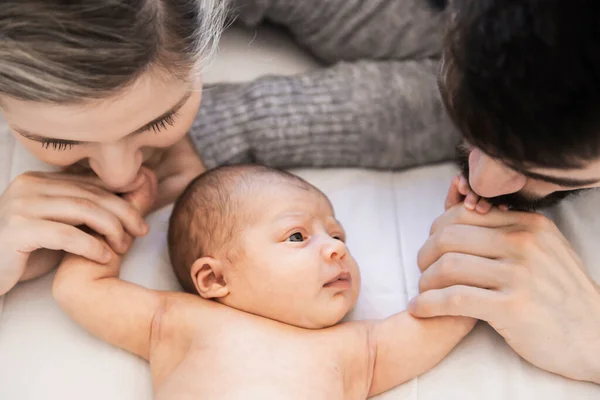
(521, 80)
(266, 242)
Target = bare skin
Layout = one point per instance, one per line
(100, 146)
(198, 348)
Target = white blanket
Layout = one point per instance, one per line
(43, 355)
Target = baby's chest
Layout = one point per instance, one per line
(268, 365)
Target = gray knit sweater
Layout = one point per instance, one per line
(375, 105)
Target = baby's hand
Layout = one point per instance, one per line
(145, 195)
(461, 191)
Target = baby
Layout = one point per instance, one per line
(269, 277)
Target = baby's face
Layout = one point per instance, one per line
(293, 266)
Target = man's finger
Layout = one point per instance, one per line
(456, 301)
(474, 240)
(495, 218)
(464, 269)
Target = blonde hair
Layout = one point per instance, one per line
(67, 52)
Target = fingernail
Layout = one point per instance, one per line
(143, 228)
(503, 207)
(469, 205)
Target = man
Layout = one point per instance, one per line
(521, 81)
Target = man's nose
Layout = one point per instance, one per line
(490, 178)
(334, 249)
(117, 165)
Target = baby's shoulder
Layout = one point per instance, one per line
(354, 345)
(178, 317)
(353, 339)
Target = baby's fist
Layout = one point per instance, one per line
(461, 191)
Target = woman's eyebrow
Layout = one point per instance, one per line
(173, 109)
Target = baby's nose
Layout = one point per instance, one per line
(334, 250)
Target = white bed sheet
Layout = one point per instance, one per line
(43, 355)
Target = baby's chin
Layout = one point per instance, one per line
(321, 320)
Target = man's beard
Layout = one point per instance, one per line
(518, 201)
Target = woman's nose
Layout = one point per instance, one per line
(490, 178)
(117, 165)
(334, 249)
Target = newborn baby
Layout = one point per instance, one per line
(269, 277)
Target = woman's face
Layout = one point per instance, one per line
(113, 136)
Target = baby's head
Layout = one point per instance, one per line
(266, 242)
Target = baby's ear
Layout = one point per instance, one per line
(207, 275)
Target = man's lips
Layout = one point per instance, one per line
(341, 280)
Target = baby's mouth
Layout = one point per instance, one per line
(342, 279)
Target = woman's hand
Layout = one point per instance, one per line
(40, 214)
(177, 167)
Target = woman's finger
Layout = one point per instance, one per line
(78, 211)
(129, 217)
(57, 236)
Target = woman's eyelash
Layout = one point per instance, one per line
(158, 126)
(162, 124)
(57, 145)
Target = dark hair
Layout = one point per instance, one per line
(207, 217)
(521, 79)
(67, 51)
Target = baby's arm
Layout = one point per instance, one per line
(407, 346)
(116, 311)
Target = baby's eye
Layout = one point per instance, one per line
(341, 238)
(296, 237)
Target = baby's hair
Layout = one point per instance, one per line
(207, 217)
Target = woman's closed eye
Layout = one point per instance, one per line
(295, 237)
(156, 127)
(167, 120)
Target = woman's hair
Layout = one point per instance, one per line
(63, 51)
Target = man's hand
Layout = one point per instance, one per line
(519, 273)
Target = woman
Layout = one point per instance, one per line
(103, 87)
